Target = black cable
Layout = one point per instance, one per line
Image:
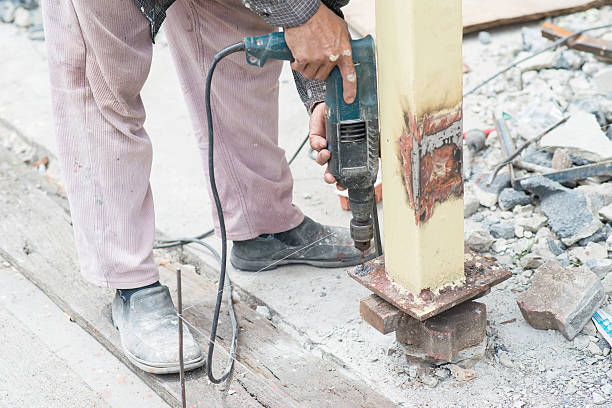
(239, 46)
(553, 45)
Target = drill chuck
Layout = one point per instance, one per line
(362, 225)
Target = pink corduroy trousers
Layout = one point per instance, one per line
(99, 56)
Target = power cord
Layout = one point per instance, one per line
(224, 280)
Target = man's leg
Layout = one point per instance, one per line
(253, 177)
(254, 180)
(99, 57)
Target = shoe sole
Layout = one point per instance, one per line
(161, 368)
(250, 265)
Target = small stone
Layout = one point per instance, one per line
(560, 298)
(523, 210)
(607, 284)
(502, 230)
(519, 231)
(462, 374)
(478, 217)
(606, 389)
(606, 213)
(598, 398)
(509, 198)
(570, 389)
(563, 259)
(531, 261)
(528, 234)
(505, 360)
(488, 195)
(23, 17)
(600, 267)
(307, 196)
(484, 37)
(589, 329)
(470, 204)
(594, 349)
(590, 68)
(323, 293)
(500, 245)
(603, 80)
(533, 223)
(561, 160)
(7, 12)
(478, 239)
(429, 380)
(581, 342)
(443, 373)
(188, 268)
(264, 311)
(594, 250)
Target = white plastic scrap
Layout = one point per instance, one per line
(603, 322)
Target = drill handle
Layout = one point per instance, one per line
(260, 49)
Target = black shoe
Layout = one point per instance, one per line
(309, 243)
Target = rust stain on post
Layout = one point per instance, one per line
(432, 160)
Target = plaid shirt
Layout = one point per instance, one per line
(280, 13)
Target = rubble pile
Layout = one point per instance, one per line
(25, 14)
(555, 234)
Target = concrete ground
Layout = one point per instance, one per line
(321, 305)
(47, 361)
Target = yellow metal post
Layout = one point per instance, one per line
(420, 96)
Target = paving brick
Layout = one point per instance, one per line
(380, 314)
(561, 298)
(443, 336)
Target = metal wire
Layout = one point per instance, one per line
(549, 47)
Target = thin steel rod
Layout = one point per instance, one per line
(520, 149)
(379, 248)
(180, 331)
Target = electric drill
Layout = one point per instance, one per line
(351, 129)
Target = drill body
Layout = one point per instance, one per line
(351, 129)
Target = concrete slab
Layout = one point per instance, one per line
(49, 361)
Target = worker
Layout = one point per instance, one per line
(99, 55)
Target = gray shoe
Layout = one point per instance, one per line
(149, 332)
(268, 251)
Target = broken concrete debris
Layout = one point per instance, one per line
(591, 145)
(561, 298)
(568, 212)
(603, 80)
(510, 198)
(488, 194)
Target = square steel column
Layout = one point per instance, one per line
(420, 93)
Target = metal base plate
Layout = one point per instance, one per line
(480, 275)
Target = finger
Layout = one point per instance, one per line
(298, 66)
(318, 143)
(349, 76)
(317, 120)
(328, 177)
(323, 157)
(310, 70)
(324, 71)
